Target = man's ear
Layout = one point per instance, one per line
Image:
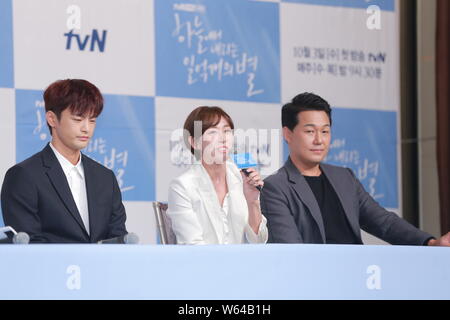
(51, 118)
(287, 134)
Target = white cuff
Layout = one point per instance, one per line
(262, 235)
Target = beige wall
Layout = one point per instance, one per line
(428, 181)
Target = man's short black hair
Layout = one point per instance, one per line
(305, 101)
(80, 96)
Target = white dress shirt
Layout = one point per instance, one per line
(77, 184)
(198, 217)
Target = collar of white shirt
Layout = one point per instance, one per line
(67, 165)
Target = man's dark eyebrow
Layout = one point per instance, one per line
(83, 116)
(313, 125)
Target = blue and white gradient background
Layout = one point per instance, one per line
(155, 61)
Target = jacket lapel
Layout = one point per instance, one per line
(59, 182)
(346, 201)
(209, 197)
(90, 178)
(305, 194)
(237, 203)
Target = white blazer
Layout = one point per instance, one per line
(195, 210)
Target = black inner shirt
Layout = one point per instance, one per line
(337, 227)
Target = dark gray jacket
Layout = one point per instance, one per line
(293, 215)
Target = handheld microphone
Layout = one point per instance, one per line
(244, 161)
(129, 238)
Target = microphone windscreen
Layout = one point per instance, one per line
(244, 160)
(131, 238)
(21, 238)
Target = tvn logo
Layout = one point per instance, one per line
(91, 42)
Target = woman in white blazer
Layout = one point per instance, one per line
(213, 202)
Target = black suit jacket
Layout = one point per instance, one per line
(293, 215)
(36, 199)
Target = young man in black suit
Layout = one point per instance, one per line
(59, 195)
